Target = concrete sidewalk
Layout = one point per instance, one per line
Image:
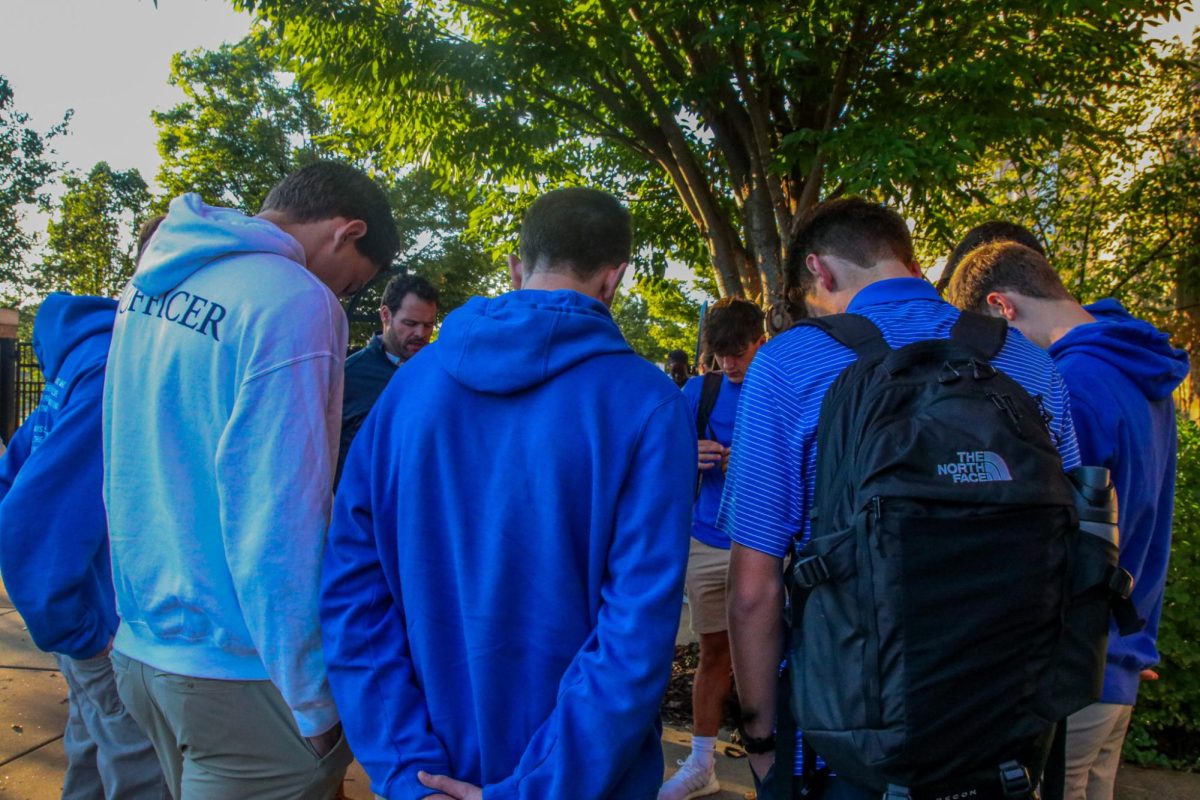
(33, 711)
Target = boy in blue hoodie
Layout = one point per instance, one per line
(54, 549)
(1121, 372)
(500, 592)
(222, 409)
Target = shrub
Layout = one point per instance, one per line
(1166, 723)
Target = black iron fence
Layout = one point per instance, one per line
(20, 384)
(29, 381)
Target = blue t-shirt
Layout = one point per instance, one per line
(712, 481)
(773, 464)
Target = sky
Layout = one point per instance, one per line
(109, 60)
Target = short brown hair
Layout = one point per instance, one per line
(400, 286)
(1003, 266)
(996, 230)
(578, 230)
(851, 228)
(732, 325)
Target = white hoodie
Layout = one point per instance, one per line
(222, 409)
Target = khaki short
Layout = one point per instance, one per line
(705, 586)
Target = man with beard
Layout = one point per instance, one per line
(408, 313)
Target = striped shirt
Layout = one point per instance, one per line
(772, 469)
(773, 465)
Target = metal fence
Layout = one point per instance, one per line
(28, 384)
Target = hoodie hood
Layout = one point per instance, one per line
(64, 322)
(522, 339)
(1133, 346)
(194, 235)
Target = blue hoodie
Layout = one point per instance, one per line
(53, 534)
(501, 587)
(222, 411)
(1121, 372)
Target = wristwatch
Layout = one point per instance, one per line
(756, 746)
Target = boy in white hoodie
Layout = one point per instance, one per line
(221, 420)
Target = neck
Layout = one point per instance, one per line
(857, 279)
(1062, 317)
(553, 281)
(304, 233)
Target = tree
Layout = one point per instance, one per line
(25, 167)
(246, 124)
(657, 316)
(750, 112)
(241, 129)
(1119, 213)
(91, 246)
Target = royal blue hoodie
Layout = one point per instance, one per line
(1121, 372)
(53, 534)
(222, 409)
(501, 587)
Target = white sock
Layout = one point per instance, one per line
(702, 749)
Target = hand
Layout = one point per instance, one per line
(1148, 675)
(711, 453)
(761, 763)
(450, 789)
(323, 743)
(103, 653)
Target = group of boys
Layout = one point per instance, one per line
(492, 609)
(1104, 378)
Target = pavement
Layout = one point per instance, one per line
(33, 711)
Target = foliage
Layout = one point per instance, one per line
(1166, 723)
(25, 167)
(246, 124)
(735, 117)
(241, 128)
(91, 246)
(657, 316)
(1120, 214)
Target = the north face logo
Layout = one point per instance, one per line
(976, 466)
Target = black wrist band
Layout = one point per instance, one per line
(756, 746)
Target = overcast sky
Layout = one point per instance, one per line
(109, 60)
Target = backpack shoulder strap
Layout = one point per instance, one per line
(854, 331)
(981, 333)
(708, 400)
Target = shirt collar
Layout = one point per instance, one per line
(394, 359)
(892, 290)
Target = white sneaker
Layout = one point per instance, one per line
(692, 780)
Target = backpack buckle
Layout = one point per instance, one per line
(810, 571)
(948, 374)
(1120, 583)
(1014, 780)
(982, 370)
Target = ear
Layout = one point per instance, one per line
(914, 269)
(347, 232)
(515, 271)
(610, 283)
(385, 316)
(820, 271)
(1000, 305)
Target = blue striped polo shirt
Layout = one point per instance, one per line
(773, 465)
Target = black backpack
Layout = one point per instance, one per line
(946, 611)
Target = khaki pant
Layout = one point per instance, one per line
(1094, 738)
(226, 740)
(704, 583)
